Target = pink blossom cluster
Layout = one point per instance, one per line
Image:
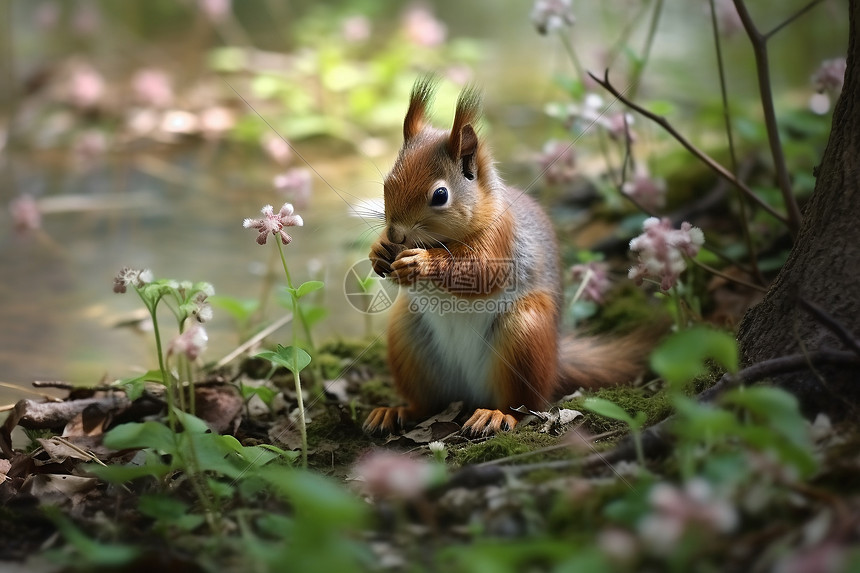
(827, 82)
(662, 250)
(295, 183)
(647, 191)
(191, 343)
(557, 162)
(26, 215)
(676, 511)
(387, 474)
(274, 223)
(551, 15)
(594, 278)
(422, 27)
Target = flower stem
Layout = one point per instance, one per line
(296, 376)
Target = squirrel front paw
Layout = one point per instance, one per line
(409, 265)
(388, 419)
(485, 422)
(382, 254)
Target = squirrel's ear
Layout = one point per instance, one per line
(463, 141)
(419, 101)
(468, 147)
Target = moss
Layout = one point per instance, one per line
(656, 407)
(360, 351)
(335, 440)
(377, 392)
(503, 445)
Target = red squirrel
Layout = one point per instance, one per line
(478, 316)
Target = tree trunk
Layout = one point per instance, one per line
(824, 266)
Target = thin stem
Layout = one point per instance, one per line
(745, 229)
(568, 47)
(646, 51)
(759, 45)
(701, 155)
(723, 275)
(166, 377)
(296, 376)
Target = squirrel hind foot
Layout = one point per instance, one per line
(387, 419)
(486, 422)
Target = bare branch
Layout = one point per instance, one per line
(759, 45)
(704, 157)
(792, 18)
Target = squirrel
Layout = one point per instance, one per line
(479, 318)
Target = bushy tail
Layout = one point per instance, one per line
(599, 361)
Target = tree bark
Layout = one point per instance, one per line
(824, 265)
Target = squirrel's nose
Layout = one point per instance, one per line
(396, 236)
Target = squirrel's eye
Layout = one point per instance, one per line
(440, 197)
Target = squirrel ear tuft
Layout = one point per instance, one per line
(419, 101)
(463, 140)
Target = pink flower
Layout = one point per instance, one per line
(827, 81)
(277, 148)
(152, 87)
(191, 343)
(86, 87)
(25, 214)
(355, 29)
(274, 223)
(551, 15)
(389, 474)
(216, 120)
(557, 162)
(296, 183)
(215, 10)
(647, 191)
(662, 251)
(596, 274)
(422, 27)
(677, 511)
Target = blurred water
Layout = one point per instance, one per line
(57, 309)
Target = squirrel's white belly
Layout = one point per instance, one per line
(462, 342)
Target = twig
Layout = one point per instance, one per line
(727, 118)
(729, 278)
(759, 45)
(834, 326)
(792, 18)
(255, 339)
(704, 157)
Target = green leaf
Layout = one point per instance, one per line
(315, 496)
(682, 356)
(92, 553)
(118, 474)
(308, 287)
(134, 386)
(775, 405)
(240, 309)
(265, 393)
(612, 410)
(191, 423)
(313, 313)
(284, 356)
(136, 435)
